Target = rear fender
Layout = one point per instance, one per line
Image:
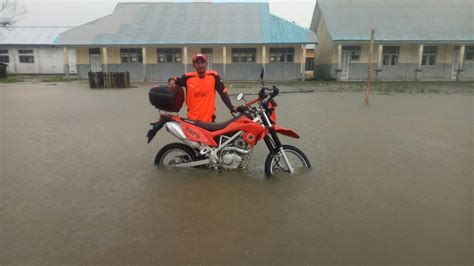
(155, 128)
(286, 131)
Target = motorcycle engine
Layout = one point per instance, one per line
(235, 155)
(231, 160)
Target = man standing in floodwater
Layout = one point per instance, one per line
(201, 86)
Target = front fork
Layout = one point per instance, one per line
(274, 146)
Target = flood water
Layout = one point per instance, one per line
(390, 183)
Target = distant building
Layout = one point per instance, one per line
(154, 41)
(415, 40)
(30, 50)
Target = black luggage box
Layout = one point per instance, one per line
(167, 99)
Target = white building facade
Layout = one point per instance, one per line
(29, 50)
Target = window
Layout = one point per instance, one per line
(390, 55)
(282, 54)
(131, 55)
(26, 56)
(94, 50)
(206, 50)
(4, 58)
(244, 55)
(309, 64)
(429, 55)
(469, 53)
(355, 52)
(169, 55)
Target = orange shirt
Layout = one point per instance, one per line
(200, 94)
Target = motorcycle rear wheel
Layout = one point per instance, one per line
(276, 163)
(173, 154)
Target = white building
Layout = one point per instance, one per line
(30, 50)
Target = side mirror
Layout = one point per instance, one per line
(262, 73)
(240, 97)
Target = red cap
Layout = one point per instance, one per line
(197, 56)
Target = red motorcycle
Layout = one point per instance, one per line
(226, 145)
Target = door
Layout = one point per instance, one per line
(455, 63)
(345, 63)
(96, 65)
(208, 53)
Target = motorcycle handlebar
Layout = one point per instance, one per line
(252, 102)
(263, 93)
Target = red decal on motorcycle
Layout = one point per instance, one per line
(197, 134)
(192, 133)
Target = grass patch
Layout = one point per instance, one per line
(56, 79)
(11, 79)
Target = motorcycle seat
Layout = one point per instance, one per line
(211, 126)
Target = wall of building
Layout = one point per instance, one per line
(47, 60)
(408, 62)
(150, 70)
(113, 56)
(404, 70)
(82, 56)
(468, 73)
(326, 54)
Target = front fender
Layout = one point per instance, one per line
(286, 131)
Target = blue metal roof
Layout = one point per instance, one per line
(29, 35)
(397, 20)
(188, 24)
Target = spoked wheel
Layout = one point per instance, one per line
(276, 162)
(174, 154)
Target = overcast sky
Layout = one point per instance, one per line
(78, 12)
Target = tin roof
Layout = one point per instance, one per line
(188, 23)
(22, 35)
(397, 20)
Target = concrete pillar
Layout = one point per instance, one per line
(379, 62)
(66, 62)
(145, 62)
(264, 56)
(380, 56)
(461, 61)
(105, 59)
(420, 55)
(15, 60)
(224, 61)
(339, 59)
(185, 58)
(303, 62)
(37, 58)
(420, 60)
(461, 56)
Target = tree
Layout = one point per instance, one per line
(10, 12)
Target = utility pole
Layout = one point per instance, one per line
(369, 68)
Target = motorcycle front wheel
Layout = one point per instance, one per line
(276, 162)
(174, 154)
